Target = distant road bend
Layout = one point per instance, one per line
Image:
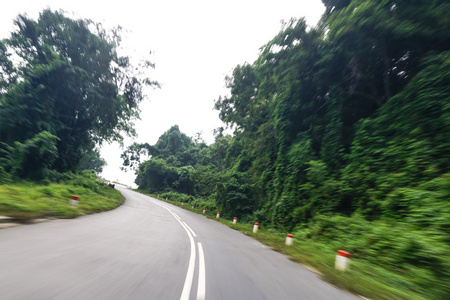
(148, 249)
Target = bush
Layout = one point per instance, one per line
(31, 160)
(27, 200)
(177, 197)
(4, 176)
(420, 255)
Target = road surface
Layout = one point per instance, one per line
(148, 249)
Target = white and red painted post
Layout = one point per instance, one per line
(255, 227)
(342, 260)
(234, 220)
(192, 206)
(167, 198)
(289, 239)
(204, 210)
(218, 215)
(74, 200)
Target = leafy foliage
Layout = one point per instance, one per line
(67, 79)
(32, 159)
(341, 133)
(25, 200)
(171, 166)
(92, 161)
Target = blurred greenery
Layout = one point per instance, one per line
(63, 91)
(341, 135)
(389, 260)
(24, 200)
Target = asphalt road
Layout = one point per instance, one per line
(148, 249)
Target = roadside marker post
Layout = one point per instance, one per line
(234, 220)
(74, 200)
(218, 215)
(342, 260)
(255, 227)
(192, 206)
(289, 239)
(204, 210)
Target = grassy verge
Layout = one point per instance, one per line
(363, 278)
(25, 201)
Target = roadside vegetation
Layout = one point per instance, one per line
(381, 253)
(338, 134)
(64, 90)
(25, 200)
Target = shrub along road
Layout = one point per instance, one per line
(148, 249)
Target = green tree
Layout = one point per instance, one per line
(70, 82)
(383, 43)
(406, 143)
(170, 163)
(155, 175)
(219, 152)
(173, 142)
(132, 155)
(233, 194)
(31, 159)
(92, 161)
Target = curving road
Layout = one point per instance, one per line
(148, 249)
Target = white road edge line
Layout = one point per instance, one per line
(201, 290)
(192, 231)
(190, 272)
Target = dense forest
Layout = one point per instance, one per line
(64, 90)
(340, 131)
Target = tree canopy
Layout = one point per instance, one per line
(65, 77)
(344, 121)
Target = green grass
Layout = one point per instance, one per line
(25, 201)
(364, 277)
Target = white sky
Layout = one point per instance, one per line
(195, 44)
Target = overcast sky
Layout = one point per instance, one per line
(194, 45)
